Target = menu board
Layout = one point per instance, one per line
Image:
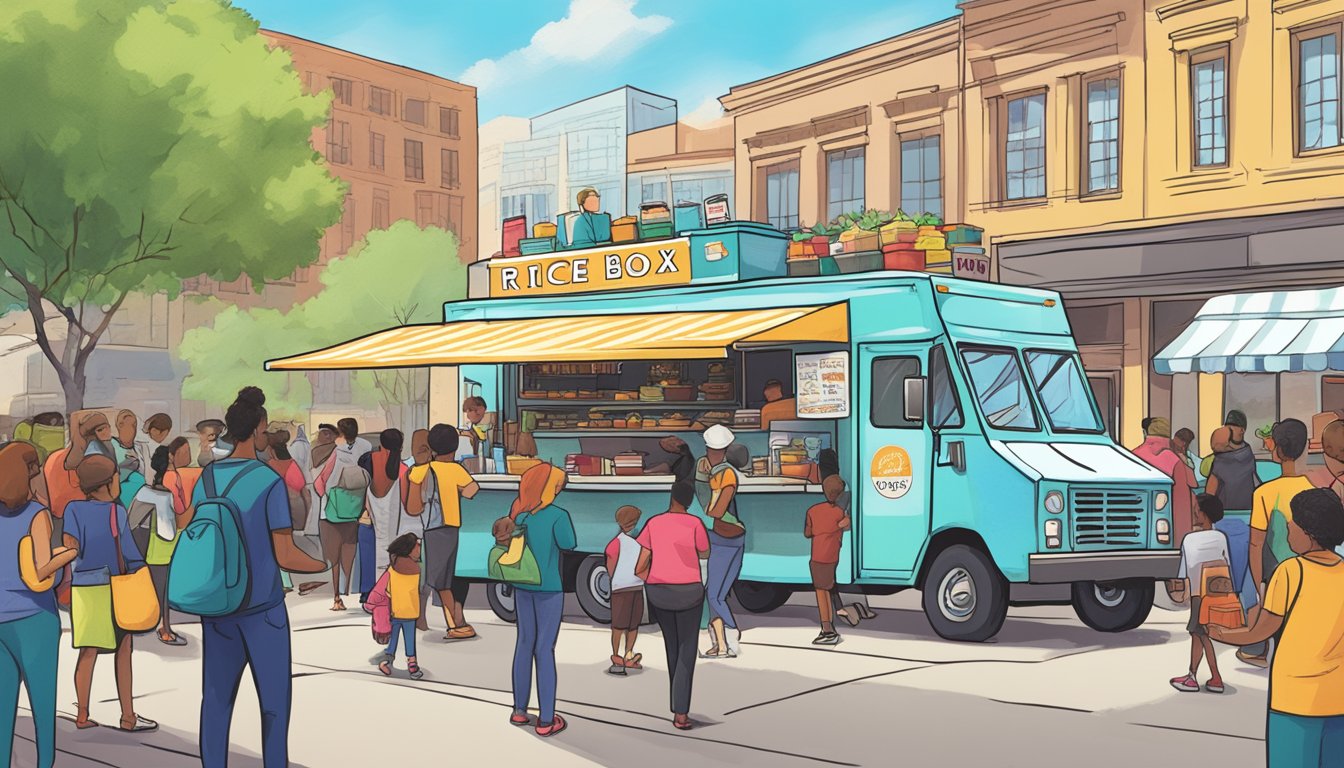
(822, 384)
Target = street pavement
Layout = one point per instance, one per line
(1046, 692)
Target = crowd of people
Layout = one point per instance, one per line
(1261, 569)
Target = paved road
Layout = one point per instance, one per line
(1046, 692)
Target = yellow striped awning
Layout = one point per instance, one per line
(650, 336)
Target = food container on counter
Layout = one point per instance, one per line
(716, 209)
(544, 229)
(651, 394)
(625, 229)
(687, 216)
(679, 393)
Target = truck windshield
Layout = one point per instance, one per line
(997, 380)
(1063, 391)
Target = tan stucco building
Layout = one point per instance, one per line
(1139, 156)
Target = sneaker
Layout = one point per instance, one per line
(1254, 661)
(827, 638)
(557, 725)
(1186, 684)
(1214, 686)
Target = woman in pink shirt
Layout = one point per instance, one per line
(672, 546)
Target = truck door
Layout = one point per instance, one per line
(894, 462)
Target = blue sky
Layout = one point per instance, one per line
(531, 56)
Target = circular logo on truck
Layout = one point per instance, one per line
(891, 473)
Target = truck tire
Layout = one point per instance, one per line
(1117, 606)
(760, 597)
(592, 586)
(965, 596)
(500, 596)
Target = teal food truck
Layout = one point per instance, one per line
(958, 411)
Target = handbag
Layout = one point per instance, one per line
(516, 564)
(353, 479)
(1220, 605)
(344, 506)
(135, 604)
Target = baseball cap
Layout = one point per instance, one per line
(718, 437)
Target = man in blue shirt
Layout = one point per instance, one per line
(257, 634)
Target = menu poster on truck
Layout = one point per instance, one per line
(822, 384)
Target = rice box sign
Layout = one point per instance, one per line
(605, 268)
(971, 266)
(822, 384)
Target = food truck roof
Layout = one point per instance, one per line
(699, 321)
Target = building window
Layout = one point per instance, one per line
(382, 209)
(448, 176)
(376, 148)
(1102, 136)
(415, 160)
(1024, 148)
(414, 112)
(922, 176)
(338, 142)
(1316, 63)
(653, 192)
(380, 100)
(455, 204)
(348, 224)
(781, 195)
(1208, 90)
(844, 181)
(536, 206)
(449, 119)
(434, 209)
(343, 90)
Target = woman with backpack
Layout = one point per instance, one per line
(156, 515)
(540, 607)
(30, 628)
(385, 500)
(343, 483)
(98, 527)
(717, 481)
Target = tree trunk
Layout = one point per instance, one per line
(74, 392)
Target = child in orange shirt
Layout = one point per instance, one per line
(825, 525)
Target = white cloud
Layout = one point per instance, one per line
(605, 30)
(706, 112)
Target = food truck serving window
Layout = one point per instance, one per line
(1064, 393)
(997, 380)
(888, 406)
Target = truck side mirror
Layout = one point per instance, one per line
(956, 455)
(914, 398)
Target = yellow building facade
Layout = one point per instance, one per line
(1139, 156)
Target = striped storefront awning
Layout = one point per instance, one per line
(1269, 332)
(647, 336)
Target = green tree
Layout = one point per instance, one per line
(227, 356)
(397, 276)
(145, 142)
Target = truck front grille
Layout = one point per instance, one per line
(1107, 518)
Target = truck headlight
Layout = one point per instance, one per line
(1054, 502)
(1163, 531)
(1052, 533)
(1160, 501)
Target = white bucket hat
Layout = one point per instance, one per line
(718, 437)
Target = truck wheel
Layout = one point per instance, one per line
(1116, 606)
(592, 585)
(759, 597)
(500, 597)
(965, 596)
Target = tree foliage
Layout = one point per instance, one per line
(398, 276)
(147, 141)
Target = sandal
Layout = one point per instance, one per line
(309, 586)
(415, 671)
(633, 661)
(864, 611)
(712, 653)
(85, 724)
(850, 618)
(172, 638)
(557, 725)
(385, 668)
(682, 723)
(519, 719)
(141, 725)
(339, 605)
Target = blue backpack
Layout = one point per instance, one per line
(211, 574)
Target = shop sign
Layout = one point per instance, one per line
(822, 384)
(890, 472)
(666, 262)
(972, 266)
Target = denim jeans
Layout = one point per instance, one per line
(539, 615)
(229, 644)
(28, 650)
(1297, 741)
(407, 629)
(368, 560)
(725, 564)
